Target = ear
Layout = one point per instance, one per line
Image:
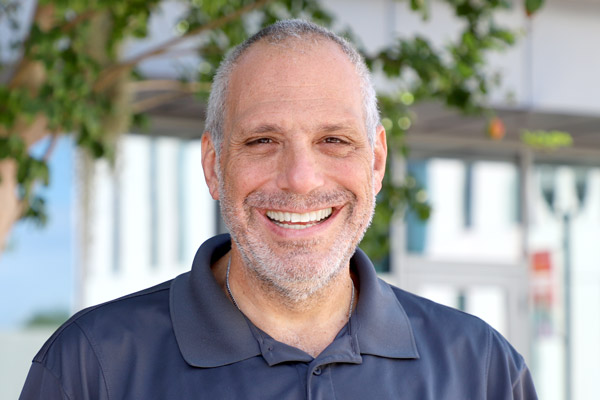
(380, 157)
(209, 165)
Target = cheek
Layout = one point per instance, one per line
(352, 175)
(242, 178)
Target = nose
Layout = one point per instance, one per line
(300, 170)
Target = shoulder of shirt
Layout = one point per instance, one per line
(418, 307)
(452, 328)
(452, 323)
(104, 310)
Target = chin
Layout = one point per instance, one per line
(295, 273)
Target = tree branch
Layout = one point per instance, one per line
(77, 20)
(32, 131)
(51, 147)
(109, 75)
(43, 16)
(194, 32)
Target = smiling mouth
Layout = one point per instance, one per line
(291, 220)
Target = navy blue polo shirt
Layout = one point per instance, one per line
(183, 339)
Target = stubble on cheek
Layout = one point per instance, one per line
(294, 268)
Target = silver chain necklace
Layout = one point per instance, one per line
(238, 307)
(227, 285)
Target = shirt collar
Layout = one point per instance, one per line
(212, 332)
(379, 321)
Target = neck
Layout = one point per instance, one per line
(310, 324)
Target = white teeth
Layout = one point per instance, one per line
(312, 217)
(290, 226)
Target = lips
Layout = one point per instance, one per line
(290, 220)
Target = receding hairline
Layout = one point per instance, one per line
(262, 49)
(307, 40)
(291, 45)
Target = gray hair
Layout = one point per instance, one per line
(276, 34)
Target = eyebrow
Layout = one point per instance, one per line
(271, 127)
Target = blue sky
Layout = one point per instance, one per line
(36, 271)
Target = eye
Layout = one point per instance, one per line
(259, 141)
(337, 146)
(333, 140)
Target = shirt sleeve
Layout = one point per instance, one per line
(507, 374)
(523, 388)
(66, 367)
(42, 384)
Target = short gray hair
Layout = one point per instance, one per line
(278, 33)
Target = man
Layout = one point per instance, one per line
(287, 308)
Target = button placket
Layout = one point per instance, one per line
(319, 384)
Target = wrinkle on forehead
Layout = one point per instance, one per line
(268, 80)
(320, 127)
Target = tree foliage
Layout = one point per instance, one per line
(71, 78)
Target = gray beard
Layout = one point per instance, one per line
(297, 272)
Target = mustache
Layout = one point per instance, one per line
(293, 201)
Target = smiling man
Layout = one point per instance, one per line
(296, 169)
(286, 306)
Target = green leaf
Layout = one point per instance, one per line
(532, 6)
(546, 140)
(36, 211)
(420, 6)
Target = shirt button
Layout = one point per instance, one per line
(317, 371)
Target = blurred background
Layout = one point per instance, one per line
(492, 203)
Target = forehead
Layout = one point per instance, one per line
(307, 81)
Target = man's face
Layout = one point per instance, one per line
(298, 176)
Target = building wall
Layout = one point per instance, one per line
(493, 235)
(551, 68)
(548, 233)
(148, 216)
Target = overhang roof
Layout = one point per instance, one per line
(438, 132)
